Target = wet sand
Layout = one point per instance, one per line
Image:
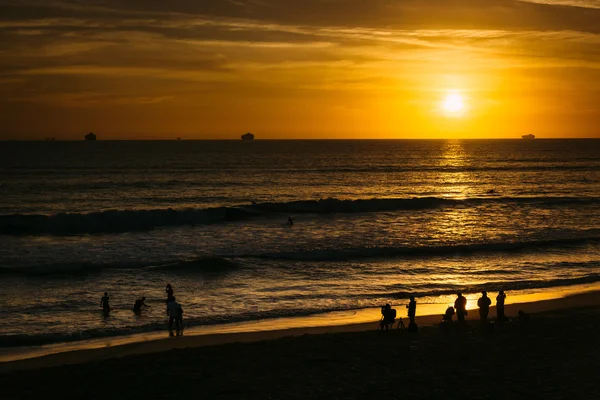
(556, 354)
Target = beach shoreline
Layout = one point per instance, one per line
(552, 354)
(158, 342)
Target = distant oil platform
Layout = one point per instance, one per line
(248, 136)
(90, 136)
(528, 137)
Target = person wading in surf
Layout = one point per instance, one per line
(104, 303)
(139, 303)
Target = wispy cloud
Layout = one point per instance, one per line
(146, 52)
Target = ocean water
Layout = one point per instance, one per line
(375, 221)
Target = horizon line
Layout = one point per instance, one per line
(285, 139)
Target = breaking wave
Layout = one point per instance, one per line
(120, 221)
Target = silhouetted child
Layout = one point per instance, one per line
(460, 305)
(139, 303)
(484, 303)
(500, 306)
(104, 303)
(412, 309)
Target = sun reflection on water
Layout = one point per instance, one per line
(452, 176)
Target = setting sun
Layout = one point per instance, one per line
(453, 104)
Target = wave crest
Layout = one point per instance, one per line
(120, 221)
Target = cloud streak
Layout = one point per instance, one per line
(108, 53)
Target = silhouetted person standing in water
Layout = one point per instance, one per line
(104, 303)
(290, 221)
(500, 306)
(484, 303)
(173, 312)
(412, 309)
(169, 291)
(460, 305)
(139, 303)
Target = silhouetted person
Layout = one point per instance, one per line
(484, 303)
(173, 312)
(500, 306)
(139, 303)
(388, 316)
(460, 305)
(412, 309)
(169, 291)
(180, 317)
(447, 317)
(290, 221)
(104, 303)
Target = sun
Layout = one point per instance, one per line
(453, 104)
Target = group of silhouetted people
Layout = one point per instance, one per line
(174, 310)
(484, 303)
(388, 316)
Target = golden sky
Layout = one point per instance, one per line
(214, 69)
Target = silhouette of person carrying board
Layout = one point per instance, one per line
(484, 303)
(460, 305)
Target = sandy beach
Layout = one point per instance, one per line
(553, 355)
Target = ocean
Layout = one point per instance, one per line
(374, 222)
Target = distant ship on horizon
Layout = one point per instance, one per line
(528, 137)
(248, 136)
(90, 136)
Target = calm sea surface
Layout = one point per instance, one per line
(374, 222)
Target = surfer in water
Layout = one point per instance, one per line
(290, 221)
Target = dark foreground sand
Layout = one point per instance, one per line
(555, 355)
